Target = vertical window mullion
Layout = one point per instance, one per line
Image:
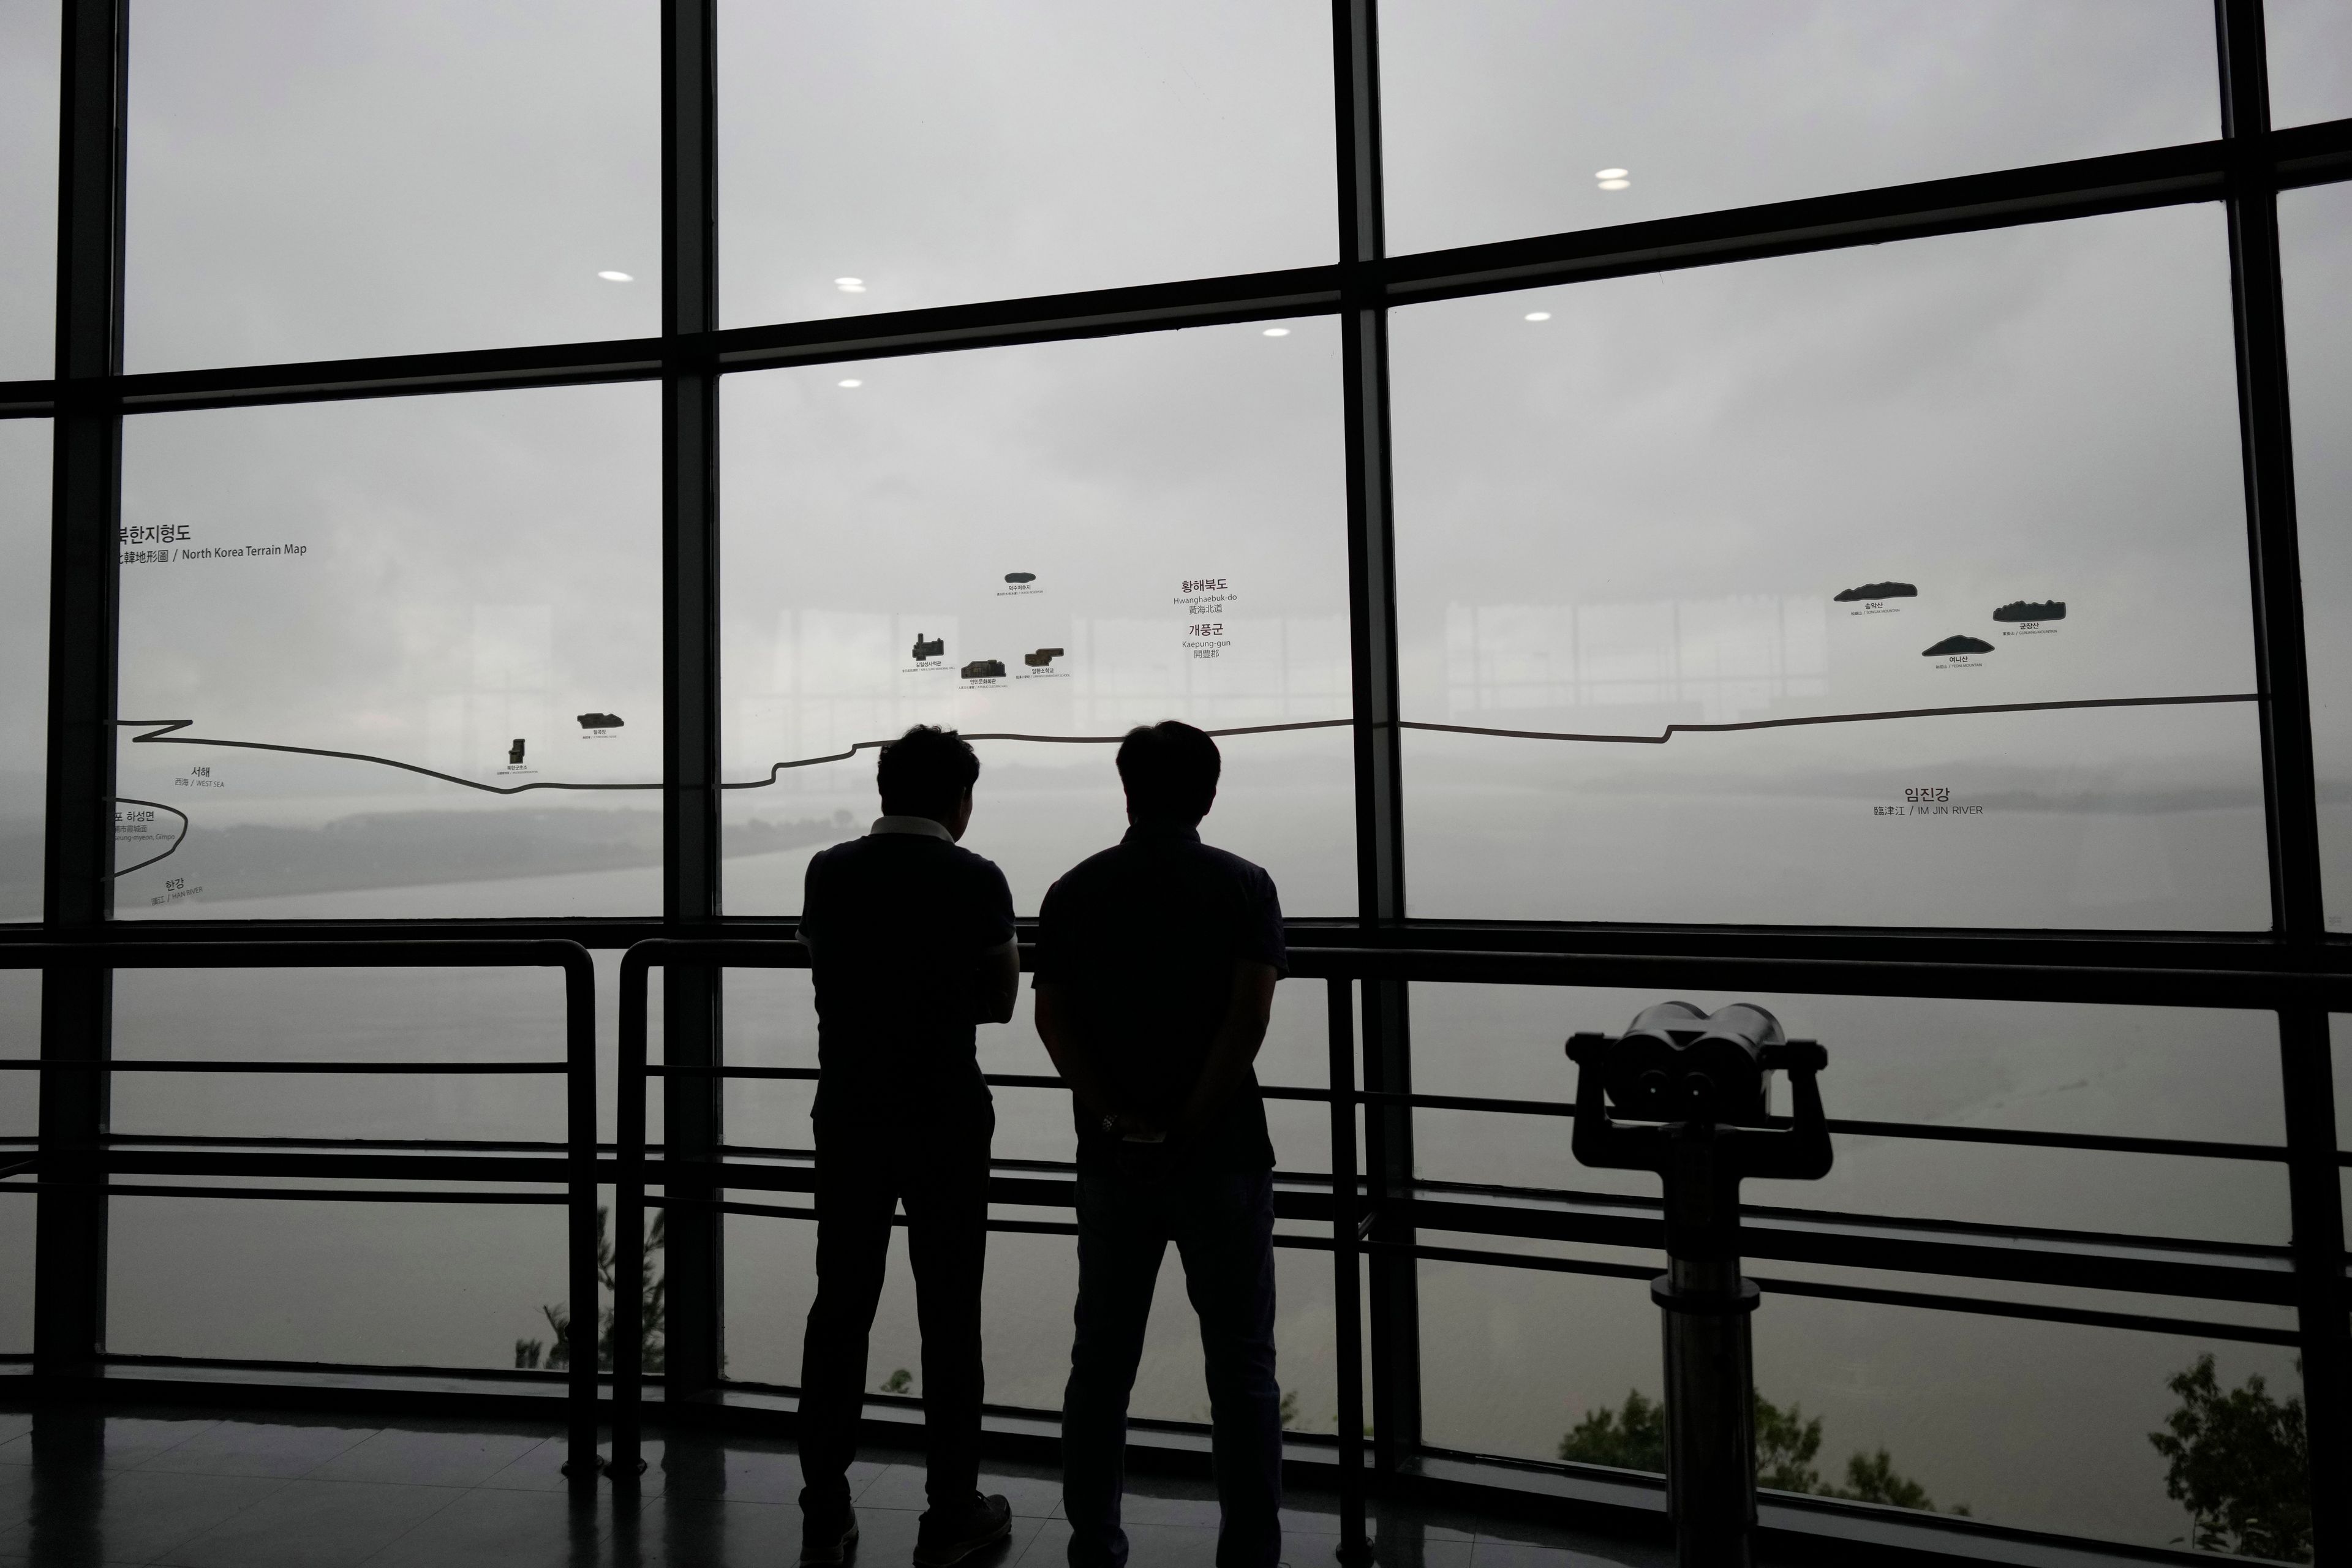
(2291, 801)
(69, 1280)
(692, 1129)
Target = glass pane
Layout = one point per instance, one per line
(30, 51)
(2311, 60)
(1823, 494)
(20, 1040)
(1041, 544)
(1504, 117)
(20, 1119)
(1517, 1354)
(338, 1015)
(2339, 1040)
(915, 153)
(2315, 268)
(24, 663)
(2041, 1425)
(1031, 1285)
(2036, 1425)
(2103, 1071)
(343, 180)
(416, 647)
(372, 1282)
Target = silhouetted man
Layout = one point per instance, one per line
(1156, 967)
(910, 938)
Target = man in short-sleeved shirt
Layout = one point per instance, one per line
(910, 940)
(1156, 966)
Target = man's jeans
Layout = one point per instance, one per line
(1222, 1226)
(938, 1164)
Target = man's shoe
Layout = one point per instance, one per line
(826, 1542)
(949, 1532)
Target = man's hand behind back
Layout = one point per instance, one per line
(1249, 1006)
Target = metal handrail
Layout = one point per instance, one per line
(578, 1067)
(1356, 1218)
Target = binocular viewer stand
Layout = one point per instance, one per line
(1695, 1091)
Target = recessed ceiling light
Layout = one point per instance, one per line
(851, 382)
(616, 278)
(1614, 184)
(1608, 174)
(1277, 331)
(1539, 315)
(850, 285)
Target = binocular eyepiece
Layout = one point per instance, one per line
(1679, 1064)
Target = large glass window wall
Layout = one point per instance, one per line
(1909, 574)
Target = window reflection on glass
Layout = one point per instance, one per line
(2315, 268)
(1048, 544)
(2310, 59)
(319, 181)
(1504, 118)
(24, 662)
(431, 625)
(29, 50)
(882, 156)
(1963, 473)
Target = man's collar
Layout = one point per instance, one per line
(922, 825)
(1162, 827)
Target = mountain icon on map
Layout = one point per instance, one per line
(1960, 643)
(2031, 610)
(1879, 591)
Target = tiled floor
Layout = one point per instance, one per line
(243, 1492)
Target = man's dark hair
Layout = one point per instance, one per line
(925, 772)
(1170, 771)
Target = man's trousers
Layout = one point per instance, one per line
(935, 1162)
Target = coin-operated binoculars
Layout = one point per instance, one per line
(1695, 1090)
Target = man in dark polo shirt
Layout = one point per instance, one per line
(910, 938)
(1156, 966)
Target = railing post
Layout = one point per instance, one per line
(86, 505)
(1372, 627)
(629, 1220)
(579, 1129)
(1347, 1301)
(1395, 1275)
(2315, 1204)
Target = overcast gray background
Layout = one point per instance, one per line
(1668, 479)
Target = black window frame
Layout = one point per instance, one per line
(1382, 949)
